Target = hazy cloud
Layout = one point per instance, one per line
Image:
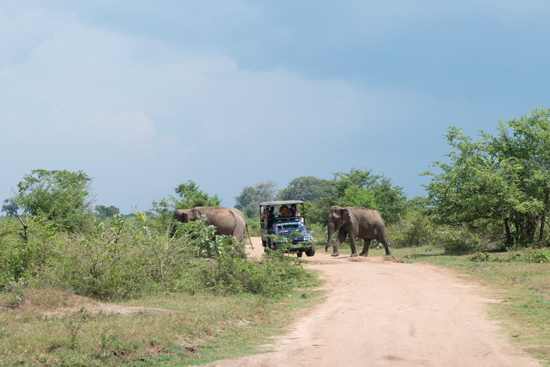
(143, 96)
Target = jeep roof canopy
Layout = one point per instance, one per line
(281, 202)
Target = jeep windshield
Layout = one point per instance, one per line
(286, 228)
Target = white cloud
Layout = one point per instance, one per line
(86, 77)
(23, 29)
(166, 114)
(120, 127)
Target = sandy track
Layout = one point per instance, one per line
(381, 313)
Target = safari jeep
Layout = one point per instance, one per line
(280, 227)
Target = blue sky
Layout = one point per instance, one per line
(145, 95)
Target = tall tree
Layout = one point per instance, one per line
(502, 180)
(62, 197)
(188, 195)
(252, 196)
(10, 207)
(107, 211)
(307, 188)
(360, 188)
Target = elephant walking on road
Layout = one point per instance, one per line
(228, 221)
(358, 222)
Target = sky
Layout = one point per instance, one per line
(143, 96)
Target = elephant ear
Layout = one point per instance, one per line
(185, 217)
(340, 212)
(347, 216)
(335, 216)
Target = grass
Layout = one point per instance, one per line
(49, 328)
(192, 299)
(522, 288)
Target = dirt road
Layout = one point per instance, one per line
(382, 313)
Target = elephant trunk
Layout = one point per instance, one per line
(330, 228)
(173, 229)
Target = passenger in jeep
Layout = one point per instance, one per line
(294, 212)
(284, 211)
(265, 215)
(270, 219)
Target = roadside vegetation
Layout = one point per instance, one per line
(85, 288)
(485, 214)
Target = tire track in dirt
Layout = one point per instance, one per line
(382, 313)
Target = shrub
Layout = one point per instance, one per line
(254, 227)
(121, 260)
(23, 255)
(273, 276)
(127, 258)
(417, 229)
(538, 256)
(480, 257)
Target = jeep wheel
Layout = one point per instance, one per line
(311, 251)
(299, 253)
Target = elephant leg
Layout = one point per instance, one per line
(341, 238)
(353, 245)
(366, 246)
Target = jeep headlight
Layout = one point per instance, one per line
(308, 237)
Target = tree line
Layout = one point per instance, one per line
(498, 184)
(359, 187)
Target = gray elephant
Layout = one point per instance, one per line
(228, 221)
(358, 222)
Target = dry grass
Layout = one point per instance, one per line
(54, 328)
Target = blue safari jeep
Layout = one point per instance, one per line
(283, 225)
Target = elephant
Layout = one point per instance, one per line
(358, 222)
(228, 221)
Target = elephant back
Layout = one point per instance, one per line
(220, 217)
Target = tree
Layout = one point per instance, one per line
(107, 211)
(189, 195)
(360, 188)
(418, 203)
(500, 180)
(10, 207)
(250, 198)
(307, 188)
(390, 200)
(62, 197)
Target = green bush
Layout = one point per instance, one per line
(24, 254)
(418, 229)
(538, 256)
(412, 230)
(274, 276)
(254, 227)
(526, 255)
(121, 258)
(480, 257)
